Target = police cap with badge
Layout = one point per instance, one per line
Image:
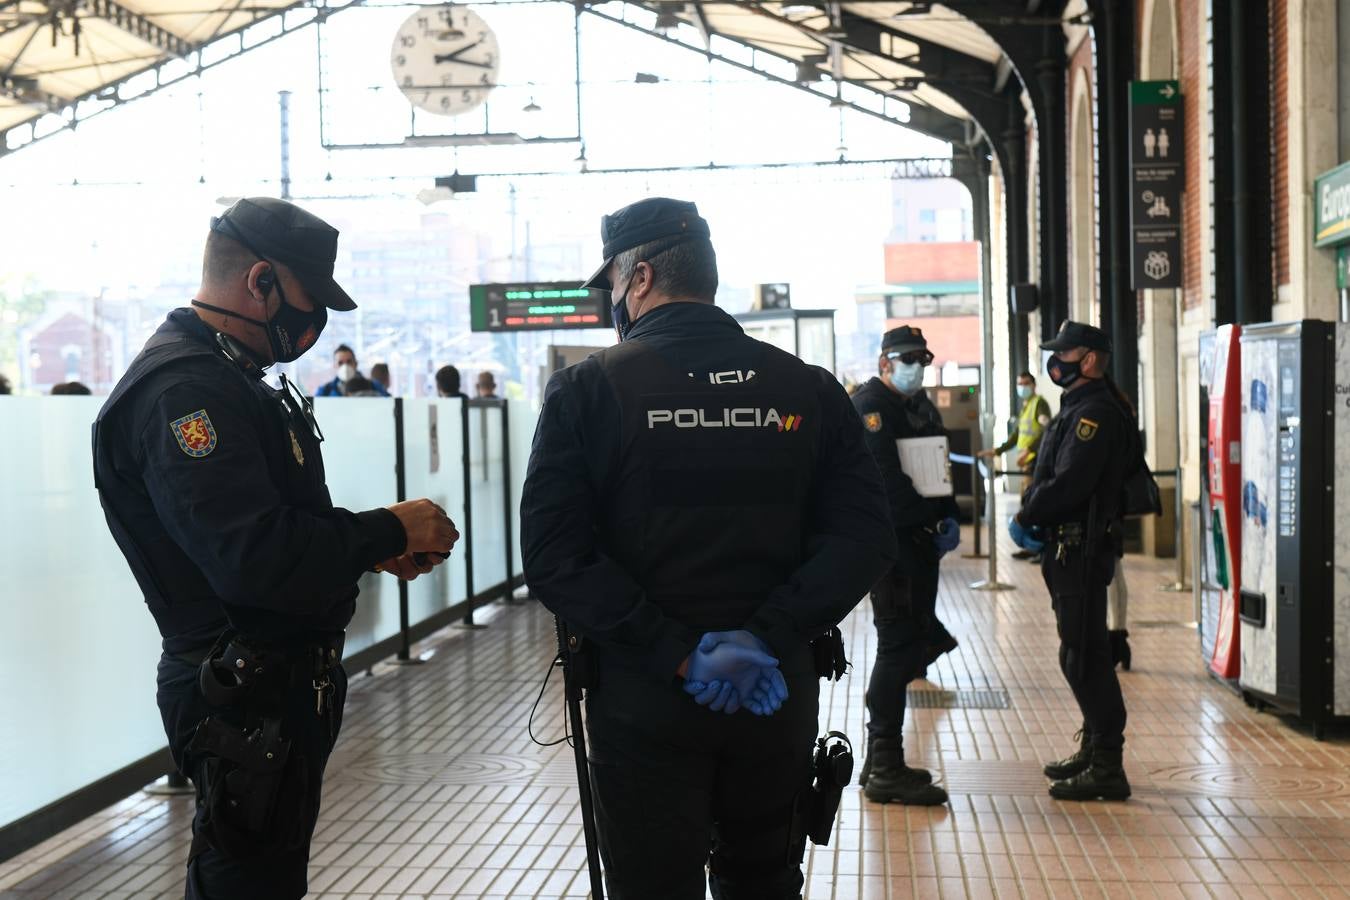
(281, 231)
(1076, 334)
(905, 340)
(644, 222)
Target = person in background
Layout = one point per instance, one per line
(1075, 497)
(447, 382)
(360, 386)
(893, 407)
(70, 389)
(4, 386)
(344, 360)
(379, 374)
(487, 386)
(1034, 415)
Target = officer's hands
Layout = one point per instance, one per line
(987, 454)
(1022, 459)
(410, 565)
(741, 661)
(948, 536)
(428, 528)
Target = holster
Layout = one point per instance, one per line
(254, 792)
(815, 808)
(828, 653)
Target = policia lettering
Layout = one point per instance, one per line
(740, 417)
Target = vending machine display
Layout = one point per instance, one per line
(1208, 591)
(1225, 457)
(1294, 604)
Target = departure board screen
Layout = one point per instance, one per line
(537, 306)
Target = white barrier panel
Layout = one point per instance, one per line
(358, 459)
(78, 648)
(433, 459)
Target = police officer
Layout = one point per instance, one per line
(893, 407)
(213, 487)
(699, 506)
(1075, 496)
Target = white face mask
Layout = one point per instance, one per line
(346, 372)
(907, 377)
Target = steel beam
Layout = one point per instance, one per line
(136, 24)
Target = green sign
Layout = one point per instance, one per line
(1331, 207)
(1343, 267)
(1155, 93)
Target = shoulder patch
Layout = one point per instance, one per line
(1086, 430)
(195, 433)
(872, 421)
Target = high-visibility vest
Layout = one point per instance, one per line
(1029, 427)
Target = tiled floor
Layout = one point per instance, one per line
(437, 790)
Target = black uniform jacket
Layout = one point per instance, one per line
(889, 416)
(216, 496)
(1083, 455)
(575, 460)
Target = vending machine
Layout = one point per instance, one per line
(1295, 588)
(1225, 454)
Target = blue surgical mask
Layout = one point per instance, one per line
(906, 377)
(1024, 391)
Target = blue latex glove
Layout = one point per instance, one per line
(948, 536)
(1026, 538)
(771, 690)
(721, 661)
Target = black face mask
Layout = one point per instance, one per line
(290, 331)
(1062, 372)
(620, 309)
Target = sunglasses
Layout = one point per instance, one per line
(922, 357)
(299, 407)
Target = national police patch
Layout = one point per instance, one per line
(195, 433)
(872, 421)
(1086, 430)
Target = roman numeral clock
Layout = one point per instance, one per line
(445, 60)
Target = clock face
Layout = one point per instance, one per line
(445, 59)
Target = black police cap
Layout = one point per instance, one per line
(298, 239)
(903, 339)
(641, 223)
(1076, 334)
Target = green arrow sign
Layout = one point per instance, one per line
(1155, 93)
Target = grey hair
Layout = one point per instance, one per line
(684, 268)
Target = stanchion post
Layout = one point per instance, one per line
(991, 583)
(1179, 586)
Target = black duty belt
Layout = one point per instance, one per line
(1071, 534)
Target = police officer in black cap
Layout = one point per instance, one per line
(1075, 496)
(699, 506)
(893, 407)
(213, 487)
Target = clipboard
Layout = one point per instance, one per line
(925, 460)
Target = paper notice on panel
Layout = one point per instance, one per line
(926, 462)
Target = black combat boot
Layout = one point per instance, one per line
(1103, 780)
(1072, 765)
(1120, 649)
(920, 774)
(886, 778)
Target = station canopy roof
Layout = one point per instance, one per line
(57, 55)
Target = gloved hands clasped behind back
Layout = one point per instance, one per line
(731, 669)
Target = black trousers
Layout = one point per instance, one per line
(1077, 585)
(678, 787)
(904, 611)
(212, 875)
